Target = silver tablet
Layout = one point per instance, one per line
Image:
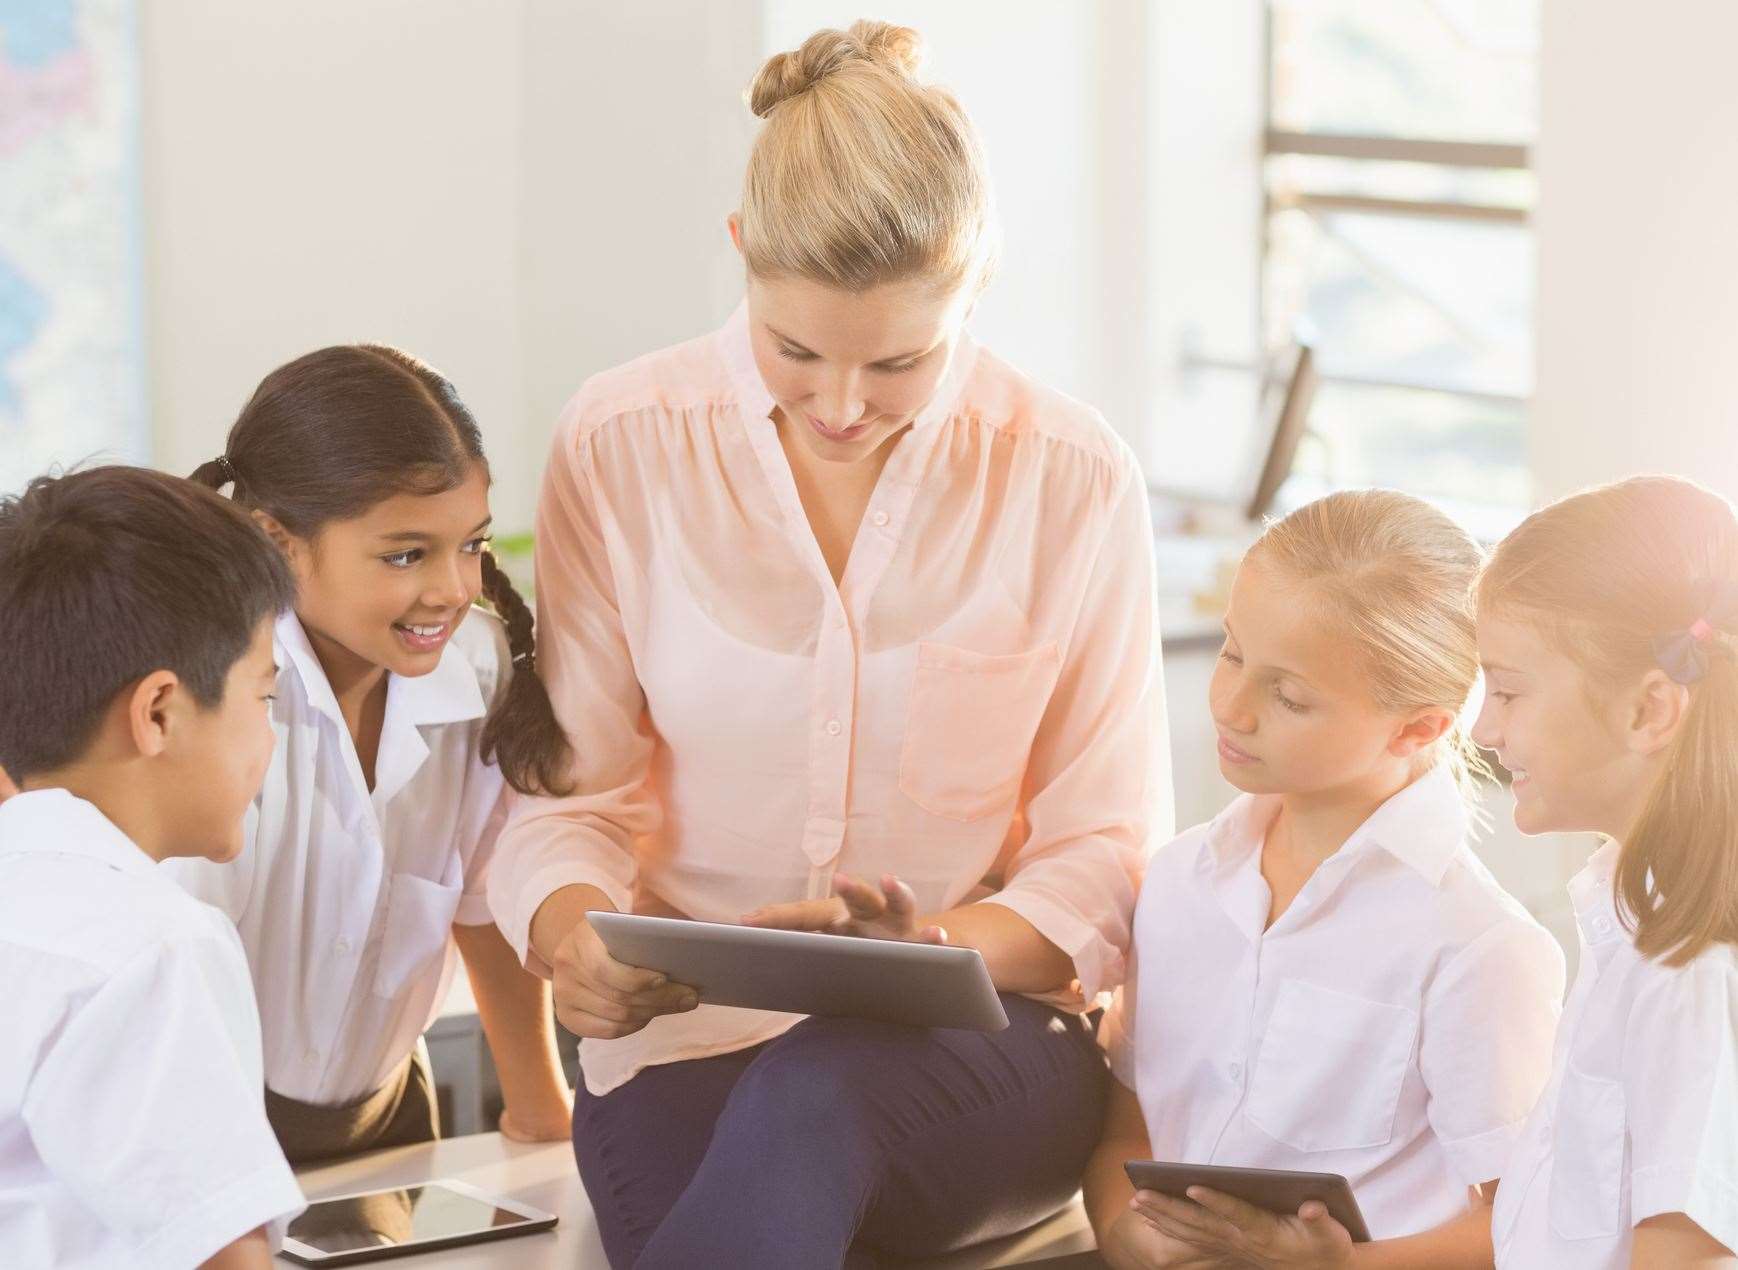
(400, 1221)
(801, 972)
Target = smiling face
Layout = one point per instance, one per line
(849, 370)
(388, 588)
(1564, 744)
(1294, 713)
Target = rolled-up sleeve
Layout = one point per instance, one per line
(586, 837)
(1098, 777)
(1490, 1019)
(1680, 1088)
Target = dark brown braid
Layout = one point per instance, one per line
(522, 733)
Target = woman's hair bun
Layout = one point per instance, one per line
(896, 48)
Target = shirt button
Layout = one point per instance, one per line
(880, 519)
(1601, 925)
(311, 1056)
(343, 946)
(1236, 1070)
(834, 727)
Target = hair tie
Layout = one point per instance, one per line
(1683, 655)
(527, 660)
(228, 470)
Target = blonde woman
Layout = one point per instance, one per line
(1324, 977)
(834, 594)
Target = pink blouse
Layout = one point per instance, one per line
(976, 707)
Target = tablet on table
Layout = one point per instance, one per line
(348, 1230)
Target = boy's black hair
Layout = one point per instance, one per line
(110, 574)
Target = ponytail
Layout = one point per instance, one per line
(1677, 876)
(522, 734)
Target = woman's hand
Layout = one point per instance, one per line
(854, 908)
(1240, 1234)
(599, 997)
(1132, 1243)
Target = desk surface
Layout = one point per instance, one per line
(544, 1176)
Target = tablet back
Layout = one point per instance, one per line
(800, 972)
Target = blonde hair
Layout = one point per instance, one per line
(1606, 576)
(1395, 575)
(862, 175)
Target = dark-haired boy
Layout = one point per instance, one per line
(135, 672)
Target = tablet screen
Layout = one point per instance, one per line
(387, 1219)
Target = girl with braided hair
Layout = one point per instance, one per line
(404, 718)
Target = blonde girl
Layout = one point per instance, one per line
(1326, 978)
(1608, 627)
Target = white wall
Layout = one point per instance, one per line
(1638, 260)
(326, 172)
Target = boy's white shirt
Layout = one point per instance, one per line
(132, 1118)
(346, 899)
(1394, 1025)
(1641, 1114)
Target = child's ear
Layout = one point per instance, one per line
(733, 222)
(294, 549)
(1421, 729)
(7, 788)
(1655, 711)
(150, 711)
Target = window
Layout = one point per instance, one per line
(1397, 184)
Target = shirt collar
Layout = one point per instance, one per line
(1422, 826)
(57, 822)
(757, 402)
(449, 693)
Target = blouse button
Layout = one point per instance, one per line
(880, 519)
(834, 727)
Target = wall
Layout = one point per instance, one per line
(1638, 263)
(328, 172)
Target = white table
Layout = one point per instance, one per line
(544, 1176)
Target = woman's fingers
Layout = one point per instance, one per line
(862, 902)
(822, 914)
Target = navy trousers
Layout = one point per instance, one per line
(843, 1143)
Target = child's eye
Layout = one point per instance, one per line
(1294, 706)
(477, 546)
(897, 370)
(793, 355)
(1504, 697)
(403, 559)
(1225, 654)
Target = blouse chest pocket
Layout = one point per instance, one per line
(970, 728)
(416, 933)
(1587, 1168)
(1331, 1069)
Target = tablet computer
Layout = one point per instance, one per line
(347, 1230)
(1280, 1191)
(803, 972)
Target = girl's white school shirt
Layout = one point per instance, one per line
(1641, 1115)
(346, 899)
(1393, 1025)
